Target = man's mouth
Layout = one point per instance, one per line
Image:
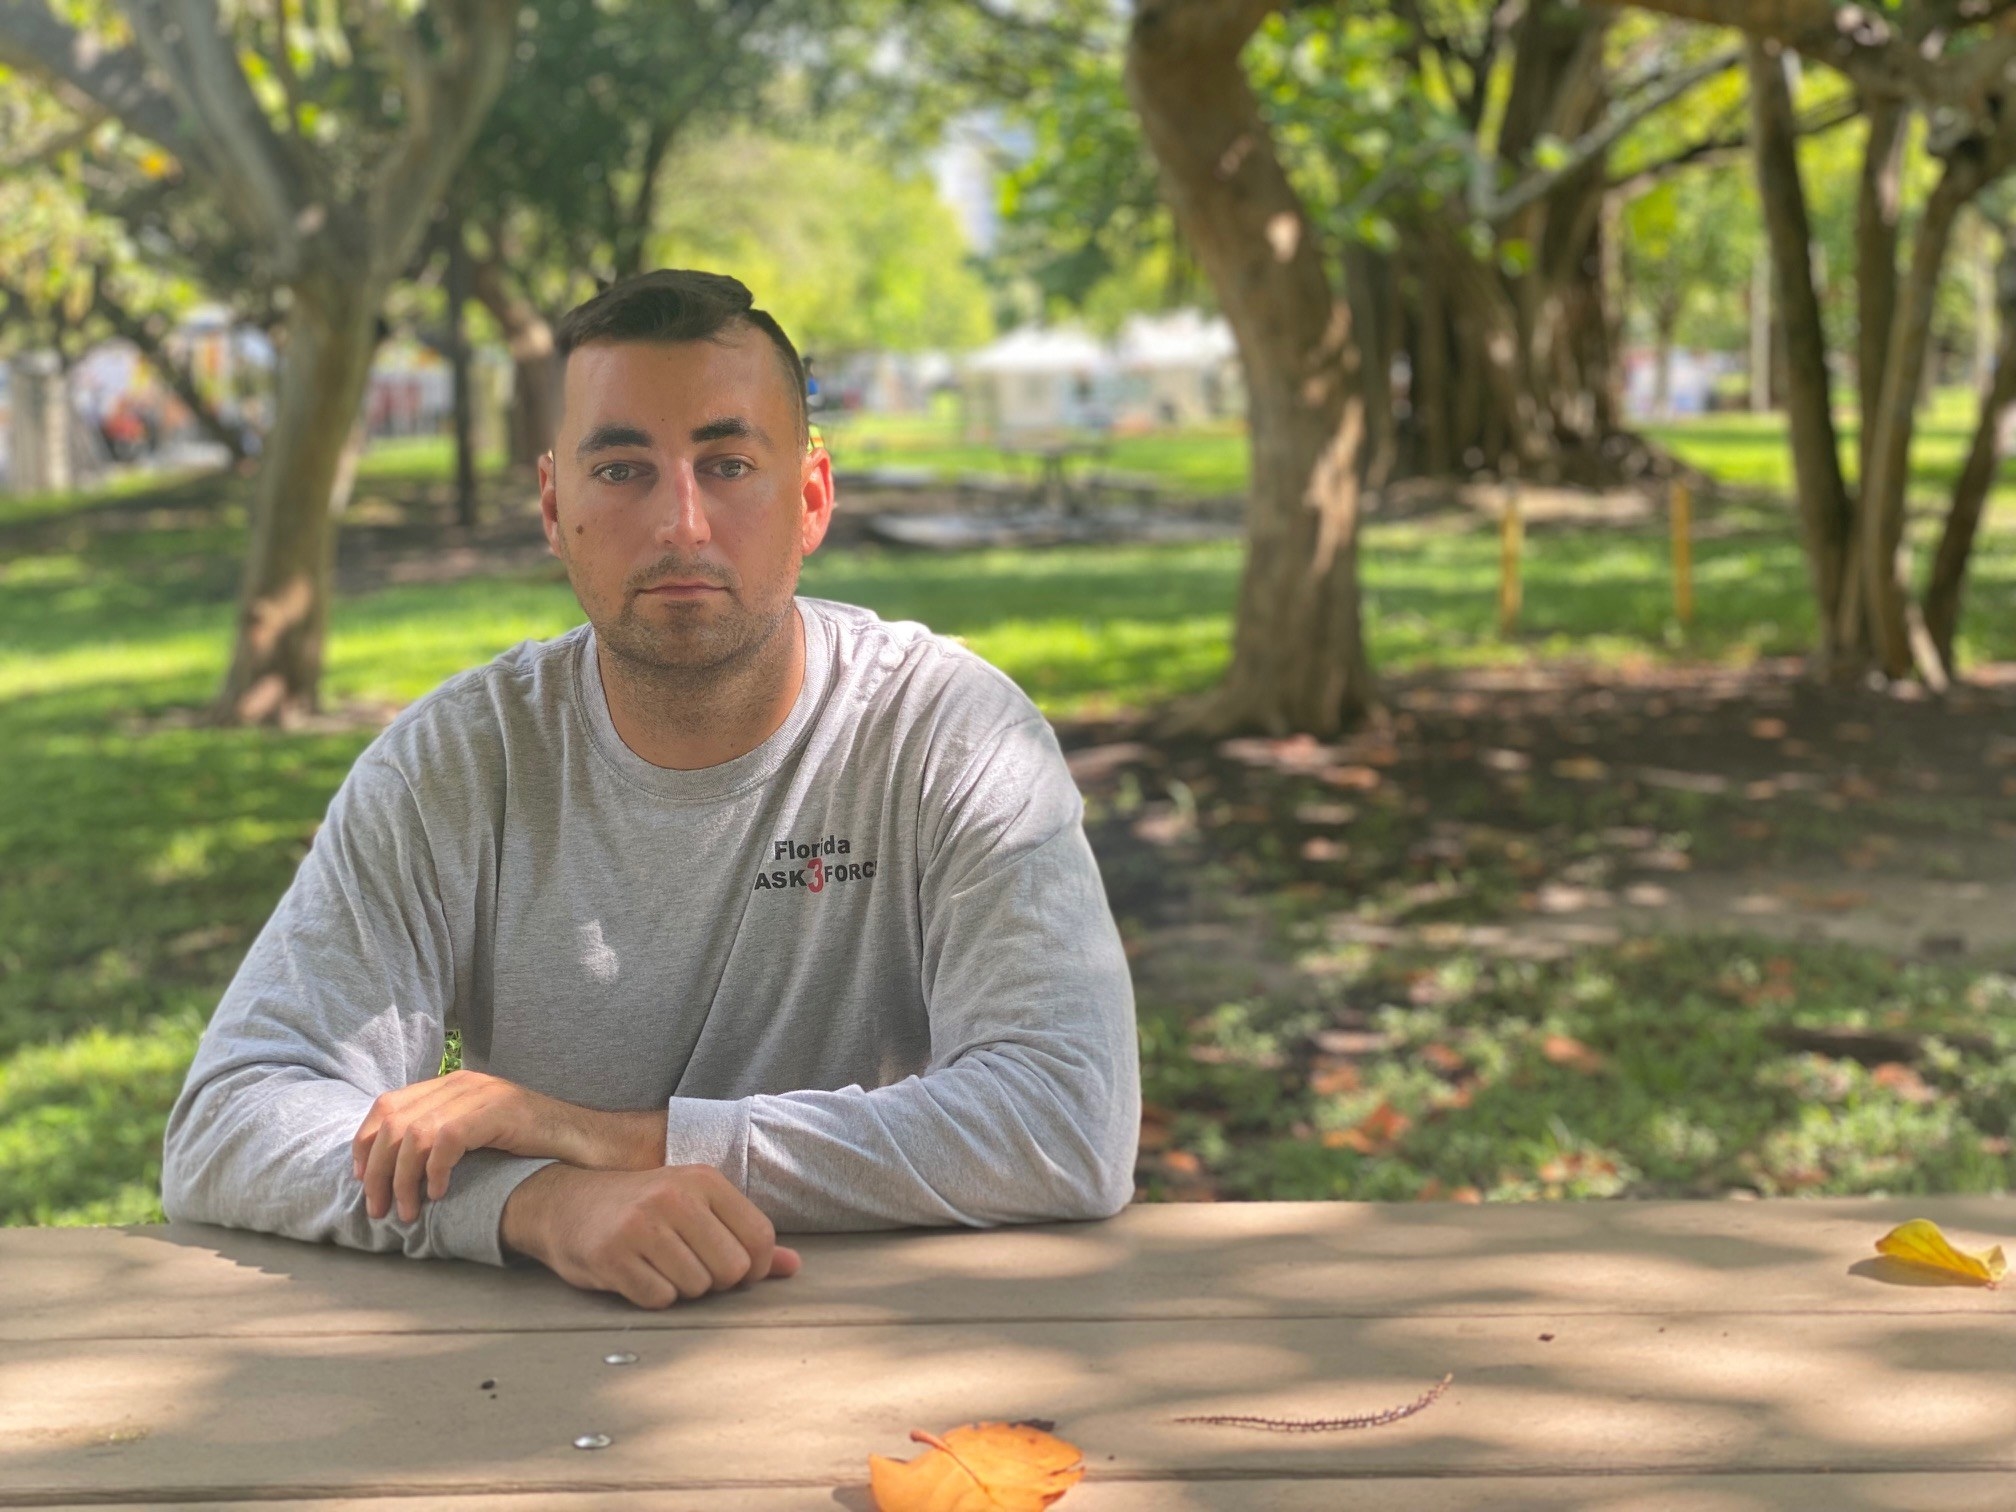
(684, 589)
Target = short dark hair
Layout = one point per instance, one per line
(681, 304)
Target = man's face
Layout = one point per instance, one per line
(680, 499)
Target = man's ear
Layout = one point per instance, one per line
(816, 495)
(549, 505)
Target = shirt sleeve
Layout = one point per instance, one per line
(1030, 1107)
(344, 995)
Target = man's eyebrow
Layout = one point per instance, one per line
(729, 426)
(603, 437)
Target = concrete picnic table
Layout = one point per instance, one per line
(1671, 1355)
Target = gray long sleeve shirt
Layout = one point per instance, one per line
(868, 968)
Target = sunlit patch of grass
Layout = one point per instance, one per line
(1656, 1068)
(81, 1121)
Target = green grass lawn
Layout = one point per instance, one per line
(1658, 1068)
(138, 857)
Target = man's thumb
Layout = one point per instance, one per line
(783, 1262)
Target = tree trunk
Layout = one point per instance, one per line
(535, 371)
(1298, 658)
(1948, 580)
(1826, 513)
(1531, 355)
(1763, 335)
(458, 360)
(276, 662)
(1885, 589)
(1666, 324)
(1428, 385)
(631, 230)
(1368, 278)
(1878, 202)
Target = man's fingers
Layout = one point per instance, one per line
(402, 1104)
(746, 1221)
(378, 1171)
(784, 1262)
(727, 1259)
(406, 1174)
(669, 1255)
(451, 1145)
(643, 1285)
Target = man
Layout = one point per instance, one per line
(755, 912)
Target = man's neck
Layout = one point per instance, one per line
(676, 721)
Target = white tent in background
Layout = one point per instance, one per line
(1179, 368)
(1035, 380)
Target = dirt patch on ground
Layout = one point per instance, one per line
(1540, 811)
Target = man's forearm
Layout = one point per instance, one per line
(620, 1141)
(522, 1222)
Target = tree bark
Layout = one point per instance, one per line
(1298, 657)
(1885, 588)
(1948, 579)
(1369, 281)
(325, 362)
(1878, 202)
(1826, 512)
(535, 370)
(1535, 384)
(457, 291)
(1428, 385)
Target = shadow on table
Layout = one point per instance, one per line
(1617, 1341)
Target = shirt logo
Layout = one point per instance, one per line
(813, 865)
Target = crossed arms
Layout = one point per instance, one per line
(313, 1108)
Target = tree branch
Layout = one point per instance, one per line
(1709, 149)
(448, 96)
(1497, 208)
(250, 168)
(1808, 25)
(84, 76)
(177, 373)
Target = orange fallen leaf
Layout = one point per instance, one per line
(1905, 1082)
(1565, 1050)
(1920, 1242)
(1327, 1078)
(1375, 1134)
(1361, 779)
(982, 1467)
(1443, 1058)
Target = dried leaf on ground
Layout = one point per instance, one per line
(982, 1467)
(1896, 1077)
(1564, 1050)
(1375, 1134)
(1920, 1242)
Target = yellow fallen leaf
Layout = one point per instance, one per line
(1920, 1242)
(983, 1467)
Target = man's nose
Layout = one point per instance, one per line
(685, 518)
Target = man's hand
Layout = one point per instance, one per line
(654, 1236)
(418, 1133)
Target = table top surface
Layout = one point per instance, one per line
(1618, 1355)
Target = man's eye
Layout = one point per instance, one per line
(615, 472)
(734, 467)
